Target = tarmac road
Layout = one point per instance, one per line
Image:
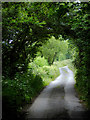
(58, 100)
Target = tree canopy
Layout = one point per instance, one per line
(52, 49)
(25, 26)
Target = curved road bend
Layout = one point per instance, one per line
(58, 100)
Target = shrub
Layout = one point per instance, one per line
(19, 91)
(38, 62)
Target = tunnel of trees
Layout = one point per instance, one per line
(31, 32)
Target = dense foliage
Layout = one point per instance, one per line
(23, 31)
(27, 30)
(80, 25)
(40, 67)
(19, 91)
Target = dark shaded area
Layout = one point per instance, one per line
(65, 116)
(15, 97)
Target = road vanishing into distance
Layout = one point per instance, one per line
(58, 100)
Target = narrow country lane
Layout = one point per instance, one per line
(58, 100)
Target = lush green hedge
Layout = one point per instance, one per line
(40, 67)
(82, 85)
(19, 91)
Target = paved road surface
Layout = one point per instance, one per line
(58, 100)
